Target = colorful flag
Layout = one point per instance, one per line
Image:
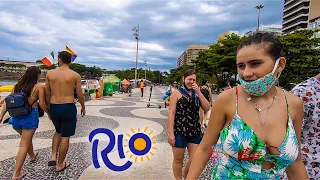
(74, 54)
(48, 60)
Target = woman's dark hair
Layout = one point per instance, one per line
(65, 57)
(271, 43)
(28, 80)
(189, 72)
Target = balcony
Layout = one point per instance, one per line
(297, 6)
(295, 21)
(303, 9)
(298, 26)
(298, 17)
(290, 3)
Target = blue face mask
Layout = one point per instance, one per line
(262, 85)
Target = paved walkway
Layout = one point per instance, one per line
(118, 113)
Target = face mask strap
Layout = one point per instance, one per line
(276, 65)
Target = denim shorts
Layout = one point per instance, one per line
(183, 141)
(30, 121)
(64, 118)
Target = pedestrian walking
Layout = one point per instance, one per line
(22, 106)
(255, 126)
(309, 93)
(60, 84)
(184, 122)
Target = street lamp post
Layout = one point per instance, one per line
(136, 35)
(259, 8)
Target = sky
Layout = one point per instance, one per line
(100, 31)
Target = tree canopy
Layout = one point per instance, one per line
(153, 76)
(301, 49)
(302, 52)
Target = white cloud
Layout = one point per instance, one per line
(157, 17)
(206, 8)
(21, 24)
(100, 31)
(172, 6)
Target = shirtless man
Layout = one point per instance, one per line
(60, 85)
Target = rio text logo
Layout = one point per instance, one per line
(137, 147)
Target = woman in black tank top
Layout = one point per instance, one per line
(183, 121)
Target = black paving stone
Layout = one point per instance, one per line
(125, 112)
(164, 112)
(79, 156)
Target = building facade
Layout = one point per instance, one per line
(191, 54)
(314, 16)
(273, 28)
(182, 60)
(225, 34)
(295, 15)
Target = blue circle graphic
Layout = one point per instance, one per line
(140, 152)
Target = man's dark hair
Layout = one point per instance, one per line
(65, 57)
(270, 42)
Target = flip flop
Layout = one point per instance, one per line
(35, 157)
(66, 165)
(20, 177)
(52, 163)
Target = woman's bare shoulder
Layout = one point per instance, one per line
(176, 93)
(292, 98)
(294, 102)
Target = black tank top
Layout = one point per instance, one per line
(187, 117)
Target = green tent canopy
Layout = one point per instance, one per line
(111, 79)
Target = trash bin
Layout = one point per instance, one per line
(108, 89)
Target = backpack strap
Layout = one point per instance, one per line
(34, 89)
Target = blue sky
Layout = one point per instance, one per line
(101, 31)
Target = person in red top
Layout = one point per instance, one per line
(141, 87)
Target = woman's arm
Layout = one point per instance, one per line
(210, 97)
(172, 112)
(297, 169)
(211, 136)
(203, 101)
(42, 99)
(47, 89)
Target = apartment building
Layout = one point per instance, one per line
(273, 28)
(314, 15)
(295, 15)
(190, 54)
(225, 34)
(182, 60)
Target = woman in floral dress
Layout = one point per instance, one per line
(309, 92)
(256, 126)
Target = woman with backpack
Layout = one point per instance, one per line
(22, 106)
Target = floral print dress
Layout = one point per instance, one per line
(309, 92)
(242, 152)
